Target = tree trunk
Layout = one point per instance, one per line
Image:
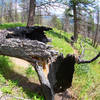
(67, 26)
(47, 64)
(16, 14)
(97, 30)
(31, 13)
(45, 83)
(10, 12)
(1, 11)
(5, 11)
(75, 23)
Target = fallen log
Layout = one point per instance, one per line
(34, 51)
(54, 71)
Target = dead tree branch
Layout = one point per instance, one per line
(88, 61)
(83, 50)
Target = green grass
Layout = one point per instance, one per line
(30, 72)
(86, 76)
(60, 41)
(86, 81)
(11, 25)
(11, 85)
(5, 64)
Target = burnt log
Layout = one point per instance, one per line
(61, 73)
(54, 71)
(33, 51)
(32, 33)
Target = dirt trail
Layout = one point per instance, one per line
(75, 50)
(20, 62)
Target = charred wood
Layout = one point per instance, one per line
(55, 71)
(61, 73)
(89, 61)
(32, 33)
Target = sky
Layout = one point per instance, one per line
(61, 8)
(56, 10)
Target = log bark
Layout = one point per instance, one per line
(45, 83)
(24, 48)
(33, 51)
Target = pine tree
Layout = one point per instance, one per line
(76, 6)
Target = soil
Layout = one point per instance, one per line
(67, 95)
(19, 62)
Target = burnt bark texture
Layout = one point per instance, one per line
(36, 52)
(17, 43)
(31, 33)
(46, 86)
(55, 72)
(61, 73)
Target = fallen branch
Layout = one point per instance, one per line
(24, 48)
(83, 50)
(88, 61)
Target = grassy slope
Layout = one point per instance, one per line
(9, 25)
(86, 77)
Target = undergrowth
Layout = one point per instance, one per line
(86, 76)
(30, 72)
(10, 84)
(11, 25)
(60, 41)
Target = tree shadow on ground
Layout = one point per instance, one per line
(28, 87)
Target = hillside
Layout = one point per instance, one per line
(23, 84)
(86, 77)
